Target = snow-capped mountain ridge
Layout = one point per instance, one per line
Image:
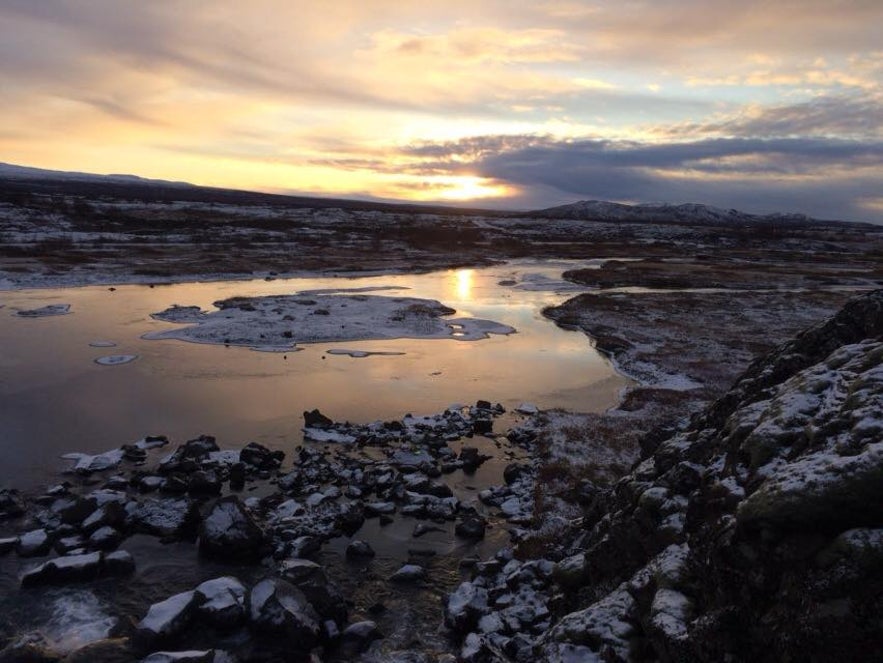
(599, 210)
(14, 172)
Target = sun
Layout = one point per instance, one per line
(471, 187)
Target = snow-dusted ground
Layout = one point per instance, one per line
(280, 322)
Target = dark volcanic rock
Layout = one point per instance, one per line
(64, 569)
(471, 527)
(357, 637)
(166, 517)
(221, 602)
(229, 532)
(260, 457)
(315, 419)
(166, 619)
(359, 550)
(279, 608)
(756, 533)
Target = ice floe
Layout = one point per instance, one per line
(358, 354)
(115, 360)
(45, 311)
(282, 321)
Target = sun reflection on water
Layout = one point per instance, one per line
(464, 284)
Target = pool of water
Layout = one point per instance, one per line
(55, 399)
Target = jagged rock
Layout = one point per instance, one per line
(325, 597)
(359, 550)
(315, 419)
(422, 528)
(119, 563)
(408, 573)
(350, 518)
(471, 527)
(379, 508)
(279, 608)
(297, 571)
(188, 456)
(260, 457)
(221, 601)
(64, 569)
(753, 532)
(472, 458)
(571, 572)
(604, 626)
(166, 517)
(357, 637)
(204, 482)
(513, 472)
(105, 538)
(34, 543)
(465, 606)
(237, 476)
(110, 514)
(166, 619)
(229, 532)
(73, 510)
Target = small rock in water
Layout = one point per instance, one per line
(408, 573)
(359, 550)
(102, 344)
(315, 419)
(357, 637)
(422, 528)
(471, 527)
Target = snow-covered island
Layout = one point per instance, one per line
(283, 321)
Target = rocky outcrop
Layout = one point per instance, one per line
(754, 534)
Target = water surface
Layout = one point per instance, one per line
(54, 398)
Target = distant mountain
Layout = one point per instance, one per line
(10, 171)
(17, 180)
(38, 180)
(688, 213)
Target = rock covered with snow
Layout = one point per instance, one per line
(753, 533)
(279, 608)
(166, 619)
(221, 601)
(230, 532)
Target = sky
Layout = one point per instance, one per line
(756, 105)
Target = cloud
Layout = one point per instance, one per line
(855, 117)
(643, 100)
(817, 176)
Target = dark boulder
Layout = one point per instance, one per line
(315, 419)
(280, 609)
(229, 532)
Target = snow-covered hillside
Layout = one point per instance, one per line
(688, 213)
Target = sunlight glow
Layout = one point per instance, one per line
(469, 187)
(464, 283)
